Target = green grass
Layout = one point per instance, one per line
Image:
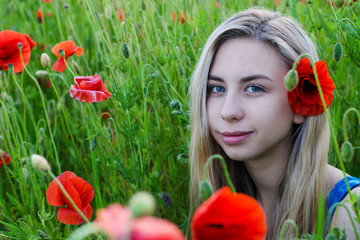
(144, 143)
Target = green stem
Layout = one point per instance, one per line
(346, 136)
(289, 221)
(226, 172)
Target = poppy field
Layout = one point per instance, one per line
(96, 93)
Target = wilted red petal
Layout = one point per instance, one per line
(68, 47)
(59, 65)
(87, 95)
(228, 215)
(152, 228)
(71, 217)
(114, 220)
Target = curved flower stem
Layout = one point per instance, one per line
(346, 136)
(76, 208)
(289, 221)
(348, 212)
(68, 66)
(333, 135)
(45, 111)
(224, 167)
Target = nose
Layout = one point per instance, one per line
(232, 109)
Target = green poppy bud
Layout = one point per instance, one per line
(336, 232)
(291, 80)
(330, 236)
(143, 5)
(142, 203)
(206, 190)
(347, 151)
(125, 50)
(337, 51)
(174, 104)
(108, 11)
(45, 60)
(339, 3)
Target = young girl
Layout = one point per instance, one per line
(240, 109)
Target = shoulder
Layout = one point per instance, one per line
(342, 218)
(334, 176)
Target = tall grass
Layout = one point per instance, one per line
(138, 139)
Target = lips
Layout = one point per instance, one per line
(235, 137)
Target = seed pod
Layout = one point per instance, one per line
(291, 80)
(125, 50)
(45, 60)
(337, 51)
(66, 5)
(206, 190)
(142, 203)
(347, 151)
(20, 45)
(10, 67)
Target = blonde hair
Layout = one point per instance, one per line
(304, 178)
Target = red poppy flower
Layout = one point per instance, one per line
(47, 1)
(116, 220)
(305, 98)
(69, 48)
(173, 16)
(79, 190)
(182, 17)
(121, 15)
(89, 89)
(228, 215)
(39, 15)
(217, 4)
(4, 157)
(9, 51)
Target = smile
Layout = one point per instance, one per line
(232, 138)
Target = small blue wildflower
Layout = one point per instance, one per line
(166, 198)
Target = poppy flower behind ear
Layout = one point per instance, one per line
(79, 190)
(305, 98)
(228, 215)
(69, 49)
(89, 89)
(9, 50)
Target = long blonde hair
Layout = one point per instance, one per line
(304, 178)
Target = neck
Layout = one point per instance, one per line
(266, 174)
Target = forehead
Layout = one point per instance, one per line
(243, 56)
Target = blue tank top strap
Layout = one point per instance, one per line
(338, 193)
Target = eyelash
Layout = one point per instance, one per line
(211, 87)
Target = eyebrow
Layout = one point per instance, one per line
(243, 79)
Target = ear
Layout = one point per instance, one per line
(298, 118)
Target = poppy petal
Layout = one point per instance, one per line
(152, 228)
(84, 189)
(59, 65)
(78, 51)
(67, 46)
(71, 217)
(90, 85)
(30, 41)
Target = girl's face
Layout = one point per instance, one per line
(247, 106)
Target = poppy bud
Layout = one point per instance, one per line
(176, 112)
(25, 173)
(337, 51)
(174, 104)
(330, 236)
(108, 12)
(336, 232)
(347, 151)
(66, 5)
(125, 50)
(11, 67)
(143, 5)
(45, 60)
(20, 45)
(42, 74)
(142, 203)
(75, 66)
(206, 190)
(291, 80)
(62, 53)
(339, 3)
(40, 163)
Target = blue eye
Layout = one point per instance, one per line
(254, 89)
(216, 89)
